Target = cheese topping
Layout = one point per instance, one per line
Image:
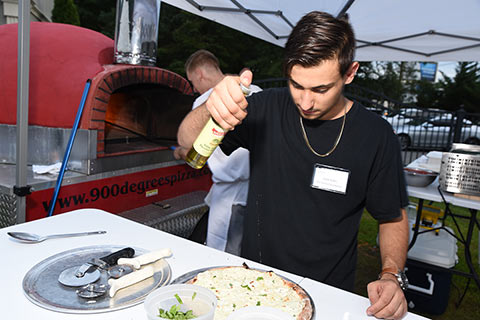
(236, 288)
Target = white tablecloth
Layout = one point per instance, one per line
(330, 303)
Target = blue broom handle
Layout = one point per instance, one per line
(69, 147)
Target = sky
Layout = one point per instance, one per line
(448, 67)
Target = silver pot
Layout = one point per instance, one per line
(460, 170)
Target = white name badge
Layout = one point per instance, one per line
(330, 178)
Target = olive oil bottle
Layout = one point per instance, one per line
(209, 139)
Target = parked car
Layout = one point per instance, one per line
(407, 114)
(377, 110)
(447, 119)
(436, 133)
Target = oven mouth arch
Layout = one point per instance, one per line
(118, 79)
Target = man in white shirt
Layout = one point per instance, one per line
(228, 194)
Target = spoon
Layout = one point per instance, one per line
(34, 238)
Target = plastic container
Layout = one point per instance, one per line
(438, 249)
(198, 299)
(259, 313)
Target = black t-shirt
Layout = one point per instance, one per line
(308, 231)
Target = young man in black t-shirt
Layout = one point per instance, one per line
(317, 160)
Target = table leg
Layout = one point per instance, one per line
(468, 241)
(417, 223)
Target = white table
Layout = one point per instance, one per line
(432, 193)
(330, 303)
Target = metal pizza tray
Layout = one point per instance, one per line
(41, 285)
(192, 274)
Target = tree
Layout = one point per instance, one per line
(181, 33)
(385, 82)
(98, 15)
(462, 89)
(428, 94)
(65, 11)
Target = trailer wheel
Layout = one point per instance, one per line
(472, 140)
(404, 141)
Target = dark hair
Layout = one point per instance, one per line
(317, 37)
(199, 58)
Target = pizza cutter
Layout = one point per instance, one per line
(94, 290)
(146, 258)
(88, 272)
(124, 274)
(68, 278)
(127, 265)
(119, 270)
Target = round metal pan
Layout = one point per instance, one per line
(41, 285)
(192, 274)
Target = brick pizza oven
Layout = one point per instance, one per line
(122, 159)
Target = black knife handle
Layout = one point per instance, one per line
(112, 258)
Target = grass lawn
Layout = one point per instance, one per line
(369, 265)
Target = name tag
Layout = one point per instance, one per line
(330, 178)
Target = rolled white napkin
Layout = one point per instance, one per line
(47, 169)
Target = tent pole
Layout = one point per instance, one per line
(22, 106)
(345, 8)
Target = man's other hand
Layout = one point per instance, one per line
(180, 153)
(386, 298)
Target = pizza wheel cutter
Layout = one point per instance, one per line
(126, 265)
(89, 272)
(119, 270)
(94, 290)
(146, 258)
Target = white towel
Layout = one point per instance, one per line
(47, 169)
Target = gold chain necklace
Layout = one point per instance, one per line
(336, 142)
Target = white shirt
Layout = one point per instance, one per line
(230, 176)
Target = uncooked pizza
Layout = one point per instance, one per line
(238, 287)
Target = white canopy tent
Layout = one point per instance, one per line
(386, 30)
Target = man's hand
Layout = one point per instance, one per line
(180, 153)
(227, 102)
(386, 298)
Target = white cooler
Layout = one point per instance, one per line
(429, 289)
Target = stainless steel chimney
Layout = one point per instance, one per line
(136, 32)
